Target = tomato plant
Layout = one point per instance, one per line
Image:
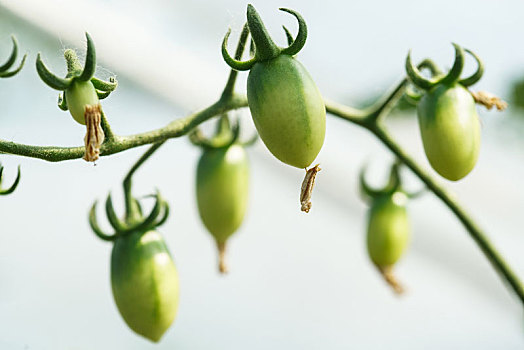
(289, 114)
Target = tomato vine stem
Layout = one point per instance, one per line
(132, 210)
(370, 118)
(177, 128)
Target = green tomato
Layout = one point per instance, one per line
(78, 95)
(450, 130)
(388, 229)
(145, 283)
(287, 109)
(222, 189)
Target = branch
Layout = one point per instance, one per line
(370, 119)
(116, 144)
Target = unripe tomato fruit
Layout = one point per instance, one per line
(450, 130)
(287, 109)
(388, 229)
(222, 189)
(78, 95)
(145, 283)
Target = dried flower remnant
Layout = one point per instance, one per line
(94, 133)
(307, 188)
(489, 100)
(222, 266)
(389, 277)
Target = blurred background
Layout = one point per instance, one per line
(296, 281)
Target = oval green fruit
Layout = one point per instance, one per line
(222, 189)
(450, 130)
(287, 109)
(388, 229)
(78, 95)
(145, 283)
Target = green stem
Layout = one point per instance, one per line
(108, 132)
(132, 212)
(176, 128)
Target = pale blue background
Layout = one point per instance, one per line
(297, 281)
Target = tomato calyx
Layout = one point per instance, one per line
(452, 77)
(134, 219)
(394, 185)
(4, 68)
(226, 134)
(264, 47)
(10, 189)
(75, 72)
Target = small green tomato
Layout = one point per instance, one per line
(450, 130)
(448, 119)
(388, 229)
(145, 283)
(79, 95)
(286, 105)
(222, 192)
(287, 109)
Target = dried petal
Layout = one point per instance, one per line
(307, 188)
(94, 133)
(489, 100)
(222, 267)
(389, 277)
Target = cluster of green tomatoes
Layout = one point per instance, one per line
(290, 117)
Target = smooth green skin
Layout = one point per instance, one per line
(287, 109)
(222, 190)
(78, 95)
(450, 129)
(388, 229)
(145, 283)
